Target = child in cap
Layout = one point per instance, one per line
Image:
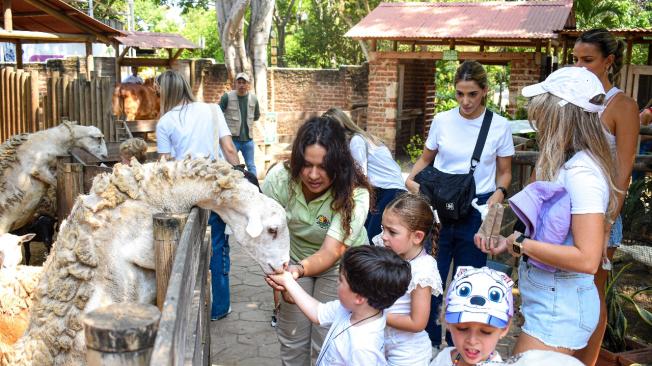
(479, 309)
(371, 279)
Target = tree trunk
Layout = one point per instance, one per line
(259, 29)
(238, 56)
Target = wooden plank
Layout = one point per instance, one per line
(93, 103)
(65, 94)
(135, 61)
(90, 172)
(107, 110)
(481, 57)
(70, 183)
(88, 106)
(169, 348)
(15, 35)
(83, 117)
(12, 102)
(77, 106)
(34, 100)
(3, 132)
(24, 101)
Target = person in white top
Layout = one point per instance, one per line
(407, 221)
(479, 310)
(188, 127)
(450, 145)
(376, 162)
(602, 54)
(371, 279)
(561, 308)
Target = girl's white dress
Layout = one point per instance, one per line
(409, 348)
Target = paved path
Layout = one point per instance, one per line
(245, 337)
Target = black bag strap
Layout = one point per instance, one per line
(482, 138)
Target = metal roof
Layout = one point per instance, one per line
(155, 40)
(485, 20)
(56, 16)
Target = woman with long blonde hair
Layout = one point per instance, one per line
(561, 305)
(376, 162)
(189, 127)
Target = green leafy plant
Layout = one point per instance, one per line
(414, 148)
(637, 209)
(617, 323)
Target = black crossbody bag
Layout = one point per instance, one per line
(451, 194)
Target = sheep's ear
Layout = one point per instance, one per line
(254, 226)
(25, 238)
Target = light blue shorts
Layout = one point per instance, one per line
(616, 234)
(561, 309)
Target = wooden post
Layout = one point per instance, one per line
(19, 54)
(6, 5)
(167, 232)
(121, 334)
(118, 62)
(34, 101)
(90, 65)
(70, 183)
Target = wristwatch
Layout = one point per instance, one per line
(517, 245)
(502, 189)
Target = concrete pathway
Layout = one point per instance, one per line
(246, 338)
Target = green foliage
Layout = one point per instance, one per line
(637, 208)
(617, 323)
(199, 23)
(414, 148)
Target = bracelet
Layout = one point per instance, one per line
(303, 269)
(502, 189)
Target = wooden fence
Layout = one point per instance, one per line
(88, 102)
(18, 102)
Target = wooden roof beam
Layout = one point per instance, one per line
(43, 37)
(66, 19)
(36, 14)
(141, 61)
(8, 22)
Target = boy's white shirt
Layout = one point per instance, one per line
(444, 358)
(362, 344)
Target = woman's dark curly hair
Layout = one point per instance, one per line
(338, 163)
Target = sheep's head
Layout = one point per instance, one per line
(91, 139)
(257, 222)
(10, 251)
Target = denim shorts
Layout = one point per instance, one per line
(616, 234)
(561, 309)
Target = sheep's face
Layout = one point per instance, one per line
(257, 222)
(10, 250)
(91, 139)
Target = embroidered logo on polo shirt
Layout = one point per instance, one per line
(323, 222)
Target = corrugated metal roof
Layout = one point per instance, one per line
(29, 16)
(487, 20)
(155, 40)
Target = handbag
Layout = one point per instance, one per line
(451, 194)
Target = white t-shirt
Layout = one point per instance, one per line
(361, 345)
(454, 138)
(586, 186)
(377, 164)
(444, 357)
(410, 348)
(131, 79)
(188, 129)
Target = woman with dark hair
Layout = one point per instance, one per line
(602, 54)
(326, 197)
(449, 147)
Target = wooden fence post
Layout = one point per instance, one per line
(121, 334)
(70, 183)
(167, 232)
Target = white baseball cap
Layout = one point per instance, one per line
(242, 75)
(480, 295)
(575, 85)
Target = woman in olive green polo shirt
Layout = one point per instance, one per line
(326, 199)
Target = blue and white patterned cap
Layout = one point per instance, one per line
(480, 295)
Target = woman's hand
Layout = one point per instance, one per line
(490, 245)
(509, 242)
(496, 197)
(412, 186)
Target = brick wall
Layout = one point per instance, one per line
(523, 71)
(383, 92)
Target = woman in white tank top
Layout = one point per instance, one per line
(601, 53)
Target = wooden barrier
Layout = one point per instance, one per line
(183, 336)
(18, 102)
(120, 334)
(167, 233)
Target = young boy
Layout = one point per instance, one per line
(479, 309)
(371, 279)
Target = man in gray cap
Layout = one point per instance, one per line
(240, 111)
